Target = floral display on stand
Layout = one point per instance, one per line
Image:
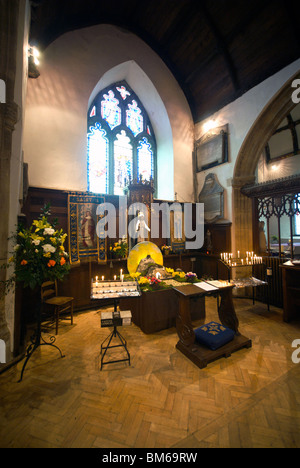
(39, 253)
(154, 283)
(39, 256)
(166, 249)
(119, 249)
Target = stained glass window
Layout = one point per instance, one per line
(93, 112)
(97, 147)
(145, 159)
(121, 141)
(123, 91)
(110, 110)
(122, 162)
(134, 118)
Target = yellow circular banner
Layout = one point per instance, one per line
(139, 252)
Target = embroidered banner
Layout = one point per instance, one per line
(84, 244)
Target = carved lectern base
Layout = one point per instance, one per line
(198, 354)
(201, 355)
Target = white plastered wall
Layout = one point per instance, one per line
(240, 115)
(73, 68)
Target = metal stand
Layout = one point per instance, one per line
(113, 334)
(123, 344)
(36, 341)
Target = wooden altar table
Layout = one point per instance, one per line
(197, 353)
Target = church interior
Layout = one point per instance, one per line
(150, 234)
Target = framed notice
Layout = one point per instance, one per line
(212, 149)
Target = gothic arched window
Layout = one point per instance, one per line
(121, 144)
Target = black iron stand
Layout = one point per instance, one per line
(36, 341)
(116, 334)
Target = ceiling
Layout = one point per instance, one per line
(216, 49)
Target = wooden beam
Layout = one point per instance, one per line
(221, 46)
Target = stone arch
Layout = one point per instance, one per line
(245, 168)
(140, 83)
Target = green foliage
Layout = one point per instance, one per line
(39, 254)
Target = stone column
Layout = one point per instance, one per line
(242, 215)
(9, 113)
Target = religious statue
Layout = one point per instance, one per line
(208, 241)
(262, 237)
(142, 228)
(88, 230)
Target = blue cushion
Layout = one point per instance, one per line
(214, 335)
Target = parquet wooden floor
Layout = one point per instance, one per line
(162, 400)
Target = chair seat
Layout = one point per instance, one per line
(58, 301)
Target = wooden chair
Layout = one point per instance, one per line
(60, 304)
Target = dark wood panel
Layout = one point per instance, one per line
(77, 283)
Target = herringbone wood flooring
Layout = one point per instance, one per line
(251, 399)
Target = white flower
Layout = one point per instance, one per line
(49, 231)
(16, 247)
(36, 242)
(49, 248)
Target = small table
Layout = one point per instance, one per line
(197, 353)
(115, 322)
(114, 290)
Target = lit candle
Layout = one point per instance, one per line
(96, 279)
(115, 278)
(238, 254)
(102, 278)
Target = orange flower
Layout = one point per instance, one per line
(62, 261)
(51, 263)
(24, 262)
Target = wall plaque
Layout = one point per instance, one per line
(212, 195)
(212, 148)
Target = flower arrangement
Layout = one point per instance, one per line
(153, 281)
(191, 277)
(170, 271)
(119, 249)
(39, 253)
(166, 249)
